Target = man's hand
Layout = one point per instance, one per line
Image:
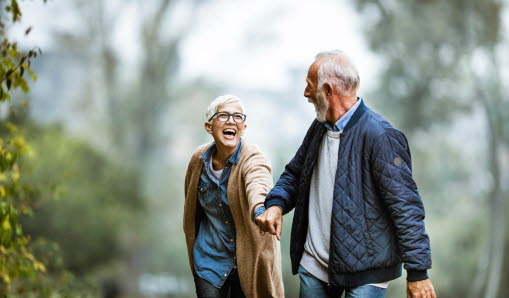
(271, 221)
(420, 289)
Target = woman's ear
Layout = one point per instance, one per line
(208, 127)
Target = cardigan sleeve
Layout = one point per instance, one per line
(258, 180)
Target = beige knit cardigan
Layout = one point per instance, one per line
(258, 255)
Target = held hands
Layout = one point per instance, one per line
(271, 221)
(420, 289)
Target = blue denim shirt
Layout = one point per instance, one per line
(214, 249)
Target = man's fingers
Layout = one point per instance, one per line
(271, 222)
(259, 223)
(433, 294)
(278, 230)
(271, 228)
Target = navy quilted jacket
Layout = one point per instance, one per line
(377, 215)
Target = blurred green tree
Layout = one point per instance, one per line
(441, 62)
(63, 205)
(142, 109)
(90, 205)
(16, 198)
(136, 105)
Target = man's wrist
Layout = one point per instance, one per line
(417, 275)
(275, 202)
(278, 207)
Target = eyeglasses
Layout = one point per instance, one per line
(224, 116)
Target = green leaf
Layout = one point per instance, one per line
(6, 225)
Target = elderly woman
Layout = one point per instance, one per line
(225, 188)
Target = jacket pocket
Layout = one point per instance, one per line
(368, 242)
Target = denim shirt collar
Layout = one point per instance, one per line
(343, 121)
(234, 159)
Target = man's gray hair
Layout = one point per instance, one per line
(338, 70)
(219, 101)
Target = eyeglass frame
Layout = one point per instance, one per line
(229, 115)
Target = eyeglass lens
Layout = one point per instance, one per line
(223, 117)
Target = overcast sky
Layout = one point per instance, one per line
(242, 43)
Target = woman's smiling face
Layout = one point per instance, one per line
(226, 134)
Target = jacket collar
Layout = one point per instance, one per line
(361, 109)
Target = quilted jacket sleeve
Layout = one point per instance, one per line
(284, 193)
(392, 173)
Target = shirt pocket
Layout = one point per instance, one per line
(203, 194)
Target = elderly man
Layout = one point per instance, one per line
(358, 215)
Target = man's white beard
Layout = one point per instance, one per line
(321, 106)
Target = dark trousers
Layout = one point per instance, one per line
(230, 289)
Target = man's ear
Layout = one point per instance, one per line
(327, 88)
(208, 127)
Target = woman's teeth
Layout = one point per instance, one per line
(229, 131)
